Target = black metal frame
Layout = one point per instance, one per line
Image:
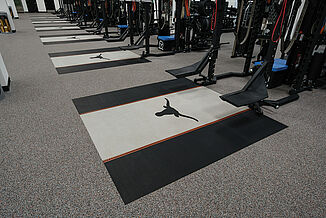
(257, 94)
(254, 92)
(301, 83)
(147, 52)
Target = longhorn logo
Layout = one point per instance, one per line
(99, 57)
(73, 37)
(172, 111)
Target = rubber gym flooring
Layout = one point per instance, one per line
(131, 140)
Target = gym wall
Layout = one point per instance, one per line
(40, 5)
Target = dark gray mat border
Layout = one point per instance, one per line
(88, 51)
(56, 30)
(75, 41)
(124, 96)
(55, 25)
(71, 34)
(103, 65)
(47, 19)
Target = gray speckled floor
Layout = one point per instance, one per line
(50, 167)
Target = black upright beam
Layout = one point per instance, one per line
(130, 23)
(159, 8)
(311, 44)
(259, 8)
(178, 24)
(69, 10)
(147, 33)
(289, 25)
(216, 38)
(257, 21)
(105, 18)
(272, 47)
(85, 12)
(212, 55)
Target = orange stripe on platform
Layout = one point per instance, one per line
(174, 136)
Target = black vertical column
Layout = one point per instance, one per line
(2, 95)
(178, 24)
(216, 38)
(69, 11)
(105, 19)
(85, 10)
(303, 68)
(32, 6)
(130, 24)
(256, 26)
(159, 8)
(60, 6)
(147, 33)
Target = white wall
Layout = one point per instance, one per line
(11, 3)
(41, 6)
(56, 5)
(24, 5)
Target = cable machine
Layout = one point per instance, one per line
(254, 93)
(307, 55)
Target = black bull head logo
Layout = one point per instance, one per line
(172, 111)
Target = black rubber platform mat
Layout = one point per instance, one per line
(57, 30)
(75, 41)
(125, 96)
(55, 25)
(88, 51)
(59, 35)
(70, 34)
(163, 162)
(140, 173)
(102, 65)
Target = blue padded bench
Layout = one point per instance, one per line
(166, 43)
(278, 74)
(279, 65)
(166, 38)
(123, 26)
